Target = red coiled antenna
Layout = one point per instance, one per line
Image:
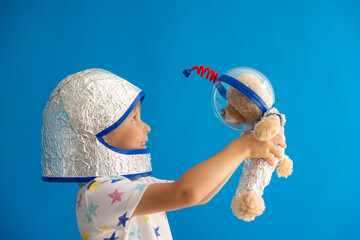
(201, 70)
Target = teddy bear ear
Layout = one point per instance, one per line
(231, 116)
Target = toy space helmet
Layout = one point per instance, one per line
(237, 81)
(81, 110)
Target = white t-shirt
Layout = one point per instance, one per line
(105, 204)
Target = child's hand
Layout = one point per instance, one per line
(250, 147)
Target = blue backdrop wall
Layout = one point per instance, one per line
(309, 50)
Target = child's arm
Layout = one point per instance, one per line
(205, 179)
(216, 190)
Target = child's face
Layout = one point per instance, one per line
(132, 132)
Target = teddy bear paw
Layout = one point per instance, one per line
(247, 205)
(267, 128)
(286, 168)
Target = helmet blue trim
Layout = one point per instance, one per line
(100, 135)
(243, 89)
(88, 179)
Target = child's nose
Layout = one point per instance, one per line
(147, 128)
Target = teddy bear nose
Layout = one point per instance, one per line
(222, 113)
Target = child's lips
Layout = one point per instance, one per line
(142, 145)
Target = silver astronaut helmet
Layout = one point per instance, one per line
(235, 90)
(81, 110)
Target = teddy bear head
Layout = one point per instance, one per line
(240, 109)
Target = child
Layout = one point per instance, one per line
(92, 133)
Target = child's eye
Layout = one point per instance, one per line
(134, 117)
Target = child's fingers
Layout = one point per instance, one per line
(270, 159)
(276, 151)
(279, 140)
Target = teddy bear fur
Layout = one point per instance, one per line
(247, 205)
(240, 110)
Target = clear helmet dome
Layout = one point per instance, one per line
(235, 93)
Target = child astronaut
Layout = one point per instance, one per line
(92, 133)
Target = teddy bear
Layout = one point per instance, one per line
(256, 174)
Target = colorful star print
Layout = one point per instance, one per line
(93, 185)
(112, 237)
(85, 236)
(104, 228)
(93, 205)
(140, 186)
(135, 233)
(78, 202)
(90, 183)
(92, 209)
(123, 219)
(115, 180)
(89, 217)
(116, 196)
(157, 234)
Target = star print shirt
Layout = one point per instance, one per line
(104, 207)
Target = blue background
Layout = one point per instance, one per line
(309, 50)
